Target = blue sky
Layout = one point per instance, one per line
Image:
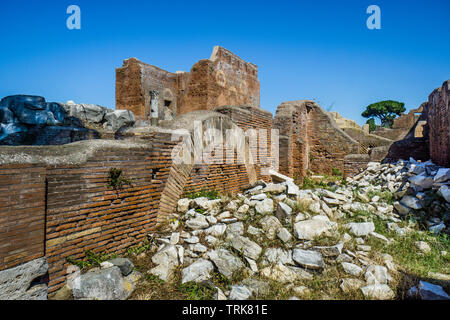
(318, 50)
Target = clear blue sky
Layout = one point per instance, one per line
(304, 49)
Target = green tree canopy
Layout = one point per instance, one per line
(386, 111)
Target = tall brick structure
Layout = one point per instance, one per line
(152, 93)
(438, 124)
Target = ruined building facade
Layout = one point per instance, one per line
(58, 203)
(153, 93)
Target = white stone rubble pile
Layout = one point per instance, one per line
(270, 232)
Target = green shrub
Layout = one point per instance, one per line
(116, 179)
(336, 172)
(309, 183)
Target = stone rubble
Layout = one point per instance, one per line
(229, 236)
(116, 279)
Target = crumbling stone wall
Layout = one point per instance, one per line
(328, 145)
(310, 140)
(224, 79)
(401, 127)
(410, 147)
(408, 138)
(439, 124)
(291, 121)
(143, 89)
(366, 141)
(415, 144)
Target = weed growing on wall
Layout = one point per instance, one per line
(116, 179)
(92, 259)
(336, 172)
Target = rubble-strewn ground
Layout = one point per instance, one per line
(374, 236)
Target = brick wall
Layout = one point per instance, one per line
(228, 179)
(291, 121)
(129, 88)
(439, 124)
(367, 141)
(392, 134)
(310, 140)
(355, 163)
(22, 214)
(328, 145)
(410, 147)
(83, 213)
(62, 208)
(165, 83)
(249, 118)
(401, 126)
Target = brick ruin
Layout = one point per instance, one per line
(153, 93)
(438, 124)
(57, 203)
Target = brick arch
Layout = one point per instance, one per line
(223, 177)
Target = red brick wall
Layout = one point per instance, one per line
(83, 213)
(328, 144)
(291, 120)
(22, 214)
(355, 163)
(195, 96)
(77, 211)
(310, 140)
(251, 118)
(164, 82)
(61, 210)
(228, 179)
(128, 88)
(439, 124)
(410, 147)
